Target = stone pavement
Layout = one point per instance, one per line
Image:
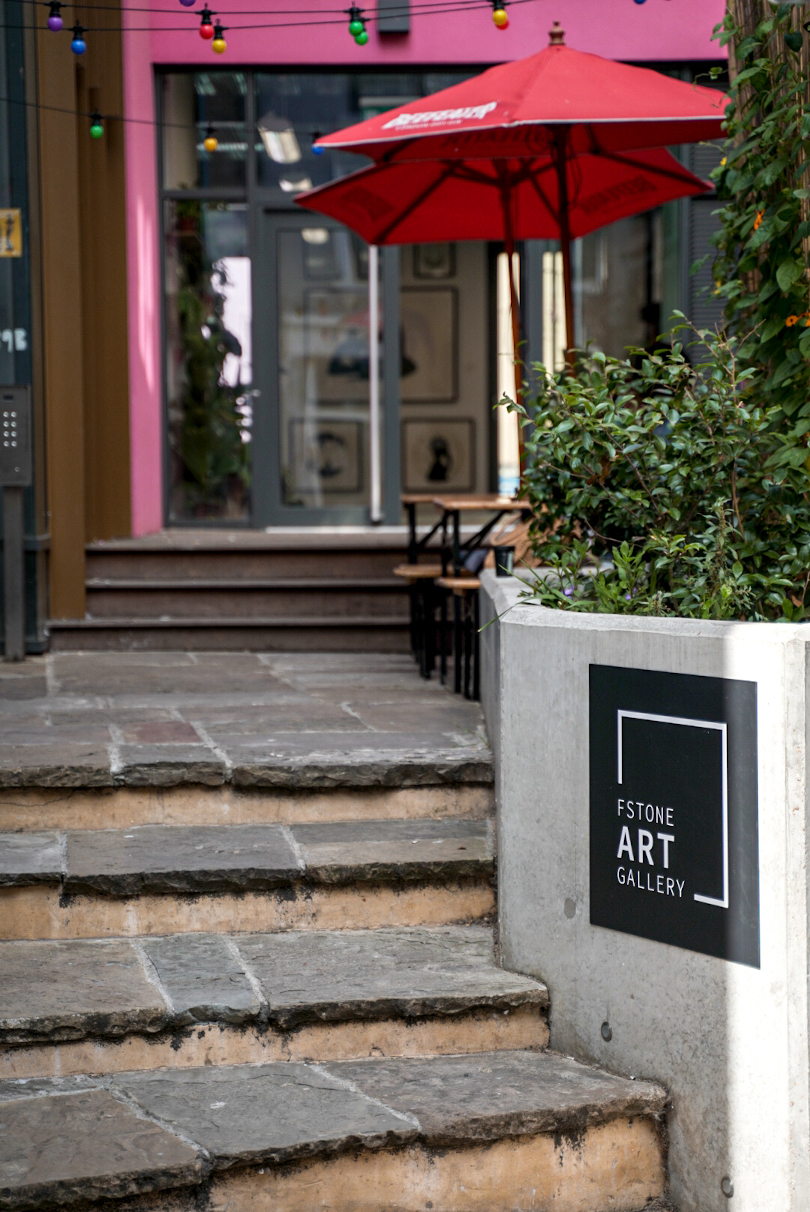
(99, 719)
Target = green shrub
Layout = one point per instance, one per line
(664, 489)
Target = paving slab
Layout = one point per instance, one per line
(203, 979)
(54, 765)
(366, 760)
(154, 858)
(79, 989)
(253, 719)
(209, 859)
(68, 1140)
(374, 850)
(496, 1094)
(168, 765)
(69, 990)
(255, 1113)
(408, 971)
(30, 858)
(86, 1146)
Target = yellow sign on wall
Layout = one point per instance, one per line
(11, 233)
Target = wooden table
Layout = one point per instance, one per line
(410, 500)
(452, 507)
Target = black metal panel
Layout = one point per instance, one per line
(393, 17)
(16, 459)
(674, 853)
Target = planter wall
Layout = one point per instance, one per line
(727, 1038)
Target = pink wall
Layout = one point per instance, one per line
(143, 283)
(657, 30)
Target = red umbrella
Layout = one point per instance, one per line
(419, 201)
(544, 147)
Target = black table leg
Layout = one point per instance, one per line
(468, 643)
(457, 643)
(443, 637)
(476, 646)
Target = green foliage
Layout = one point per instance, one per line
(207, 424)
(664, 489)
(764, 186)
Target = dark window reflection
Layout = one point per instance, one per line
(293, 108)
(208, 359)
(193, 102)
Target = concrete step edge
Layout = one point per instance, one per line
(302, 622)
(52, 991)
(167, 858)
(191, 1124)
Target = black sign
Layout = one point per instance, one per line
(674, 843)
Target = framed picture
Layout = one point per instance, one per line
(335, 341)
(429, 326)
(434, 261)
(325, 456)
(438, 455)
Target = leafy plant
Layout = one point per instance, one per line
(761, 271)
(207, 423)
(663, 489)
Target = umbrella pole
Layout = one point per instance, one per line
(560, 139)
(514, 307)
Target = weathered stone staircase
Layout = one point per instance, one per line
(280, 990)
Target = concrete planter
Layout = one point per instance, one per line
(728, 1039)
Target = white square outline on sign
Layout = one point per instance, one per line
(723, 730)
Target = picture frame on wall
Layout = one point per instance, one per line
(434, 261)
(438, 455)
(326, 456)
(336, 335)
(429, 327)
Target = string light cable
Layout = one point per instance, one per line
(427, 8)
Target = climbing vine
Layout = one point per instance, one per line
(762, 270)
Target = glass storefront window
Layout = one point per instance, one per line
(323, 367)
(193, 102)
(292, 109)
(208, 359)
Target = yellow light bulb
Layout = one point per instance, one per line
(219, 45)
(500, 18)
(211, 143)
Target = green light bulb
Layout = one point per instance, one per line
(96, 130)
(362, 38)
(356, 28)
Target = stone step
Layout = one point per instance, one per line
(250, 601)
(298, 633)
(164, 879)
(204, 998)
(517, 1130)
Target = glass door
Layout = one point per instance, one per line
(311, 367)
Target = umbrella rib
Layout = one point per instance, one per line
(647, 168)
(546, 202)
(383, 235)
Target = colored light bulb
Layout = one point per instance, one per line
(357, 26)
(219, 44)
(188, 3)
(500, 18)
(362, 38)
(54, 17)
(206, 28)
(96, 126)
(210, 142)
(78, 45)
